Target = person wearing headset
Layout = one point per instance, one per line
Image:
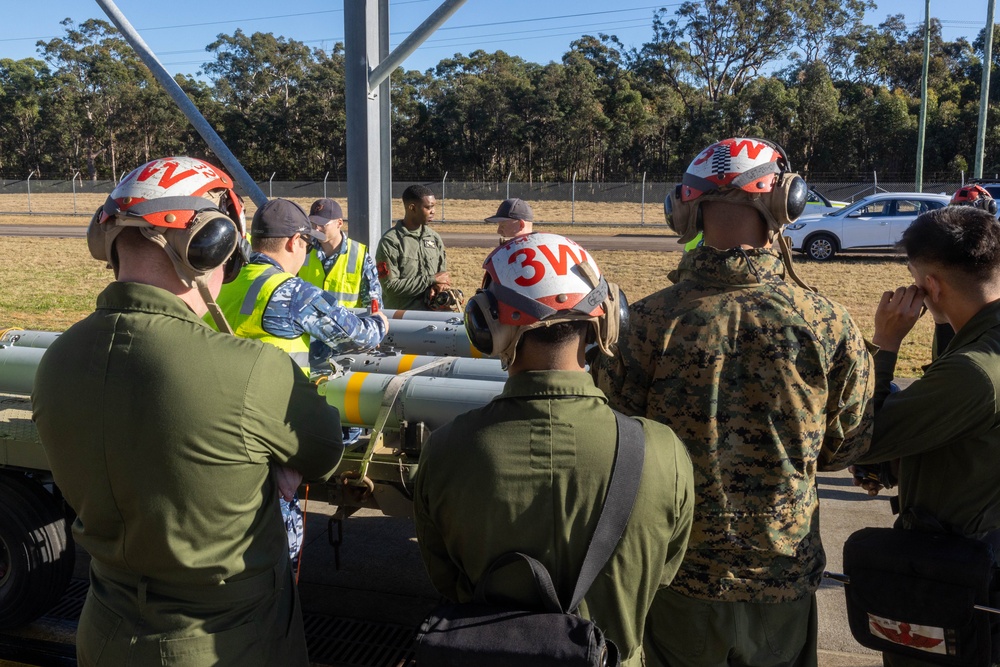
(165, 436)
(528, 471)
(765, 382)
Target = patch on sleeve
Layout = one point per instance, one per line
(383, 269)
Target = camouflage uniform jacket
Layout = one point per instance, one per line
(765, 383)
(407, 263)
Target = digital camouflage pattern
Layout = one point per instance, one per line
(765, 383)
(297, 307)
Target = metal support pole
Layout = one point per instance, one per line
(443, 181)
(187, 107)
(74, 189)
(875, 177)
(368, 195)
(572, 210)
(326, 176)
(270, 192)
(984, 93)
(384, 126)
(642, 210)
(32, 173)
(922, 130)
(508, 184)
(410, 44)
(121, 176)
(963, 178)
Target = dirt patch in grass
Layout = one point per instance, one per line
(50, 283)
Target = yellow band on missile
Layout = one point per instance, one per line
(352, 398)
(406, 363)
(476, 354)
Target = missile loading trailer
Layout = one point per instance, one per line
(399, 398)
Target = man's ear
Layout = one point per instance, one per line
(934, 286)
(290, 243)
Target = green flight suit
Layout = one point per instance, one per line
(407, 263)
(528, 472)
(161, 434)
(945, 430)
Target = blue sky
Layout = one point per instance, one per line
(179, 30)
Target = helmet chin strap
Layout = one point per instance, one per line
(190, 277)
(220, 320)
(786, 259)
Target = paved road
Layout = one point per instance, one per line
(451, 239)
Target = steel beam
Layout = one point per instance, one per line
(187, 107)
(412, 42)
(367, 131)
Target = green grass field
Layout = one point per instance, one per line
(50, 283)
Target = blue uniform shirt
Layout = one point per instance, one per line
(297, 307)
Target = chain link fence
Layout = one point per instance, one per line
(458, 201)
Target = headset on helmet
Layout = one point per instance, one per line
(535, 281)
(975, 195)
(188, 208)
(744, 170)
(740, 170)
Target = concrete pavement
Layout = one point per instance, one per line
(382, 578)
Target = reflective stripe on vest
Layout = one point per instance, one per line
(344, 279)
(243, 302)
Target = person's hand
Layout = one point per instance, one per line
(288, 481)
(895, 316)
(935, 311)
(866, 482)
(385, 320)
(442, 280)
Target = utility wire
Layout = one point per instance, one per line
(547, 32)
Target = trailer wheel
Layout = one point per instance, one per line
(36, 550)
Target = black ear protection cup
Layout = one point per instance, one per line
(237, 260)
(209, 243)
(988, 205)
(624, 316)
(682, 216)
(788, 199)
(97, 236)
(480, 311)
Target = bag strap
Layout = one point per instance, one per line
(543, 580)
(623, 487)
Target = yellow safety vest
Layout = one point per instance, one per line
(693, 243)
(243, 302)
(344, 279)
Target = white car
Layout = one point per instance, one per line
(877, 221)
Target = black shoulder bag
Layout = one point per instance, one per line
(921, 594)
(479, 634)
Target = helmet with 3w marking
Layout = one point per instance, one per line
(537, 280)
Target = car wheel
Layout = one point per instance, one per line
(36, 550)
(821, 247)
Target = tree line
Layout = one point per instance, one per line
(842, 97)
